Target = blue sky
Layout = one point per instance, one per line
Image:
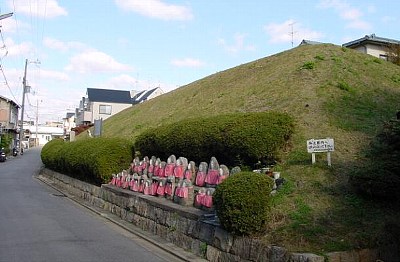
(142, 44)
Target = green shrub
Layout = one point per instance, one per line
(242, 202)
(380, 177)
(308, 65)
(236, 138)
(50, 153)
(5, 142)
(93, 160)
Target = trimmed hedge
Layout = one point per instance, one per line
(242, 202)
(93, 160)
(235, 139)
(379, 177)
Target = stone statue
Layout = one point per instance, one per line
(201, 174)
(213, 173)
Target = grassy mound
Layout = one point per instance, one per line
(329, 91)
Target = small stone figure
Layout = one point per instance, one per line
(201, 174)
(156, 167)
(235, 170)
(161, 187)
(198, 200)
(152, 162)
(179, 169)
(190, 171)
(147, 188)
(213, 172)
(223, 173)
(169, 168)
(184, 193)
(208, 199)
(161, 169)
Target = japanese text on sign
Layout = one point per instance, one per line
(320, 145)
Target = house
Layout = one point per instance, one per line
(68, 123)
(8, 117)
(101, 104)
(40, 135)
(372, 45)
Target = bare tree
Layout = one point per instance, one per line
(393, 53)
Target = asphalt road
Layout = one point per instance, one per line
(38, 223)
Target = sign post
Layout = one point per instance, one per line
(320, 146)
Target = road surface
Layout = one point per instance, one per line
(38, 223)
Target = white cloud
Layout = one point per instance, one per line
(62, 46)
(22, 49)
(237, 46)
(156, 9)
(95, 61)
(280, 33)
(10, 25)
(348, 13)
(56, 75)
(38, 8)
(187, 62)
(121, 82)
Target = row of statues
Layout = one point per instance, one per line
(176, 179)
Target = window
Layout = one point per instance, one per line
(383, 57)
(105, 109)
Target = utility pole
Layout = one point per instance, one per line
(21, 130)
(292, 32)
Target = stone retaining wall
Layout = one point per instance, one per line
(190, 228)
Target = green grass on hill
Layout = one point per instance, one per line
(331, 92)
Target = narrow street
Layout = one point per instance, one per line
(38, 223)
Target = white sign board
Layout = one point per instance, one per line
(320, 145)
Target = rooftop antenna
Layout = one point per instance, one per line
(292, 32)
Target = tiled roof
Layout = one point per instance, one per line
(371, 39)
(309, 42)
(109, 96)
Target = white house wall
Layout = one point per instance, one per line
(374, 50)
(115, 108)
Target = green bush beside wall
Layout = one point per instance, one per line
(242, 202)
(93, 160)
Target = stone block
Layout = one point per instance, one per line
(206, 232)
(348, 256)
(223, 240)
(213, 254)
(161, 231)
(305, 257)
(242, 246)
